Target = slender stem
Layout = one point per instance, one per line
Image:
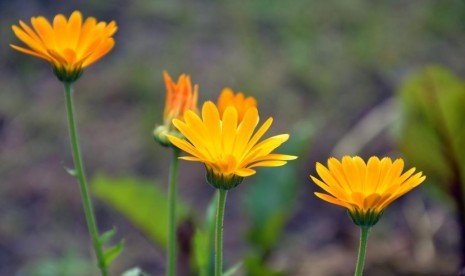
(364, 230)
(171, 265)
(80, 175)
(219, 233)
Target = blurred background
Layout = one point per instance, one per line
(342, 77)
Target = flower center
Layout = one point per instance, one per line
(226, 164)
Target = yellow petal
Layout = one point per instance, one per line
(229, 127)
(28, 40)
(192, 135)
(265, 147)
(185, 146)
(194, 122)
(393, 174)
(371, 201)
(245, 131)
(337, 172)
(244, 172)
(74, 29)
(361, 168)
(261, 131)
(86, 37)
(225, 98)
(191, 158)
(276, 157)
(61, 32)
(332, 200)
(44, 30)
(357, 199)
(333, 190)
(29, 52)
(372, 175)
(269, 163)
(211, 119)
(106, 47)
(352, 173)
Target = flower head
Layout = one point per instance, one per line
(228, 148)
(239, 101)
(365, 189)
(180, 97)
(70, 45)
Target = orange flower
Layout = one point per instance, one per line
(180, 97)
(239, 101)
(365, 189)
(69, 45)
(229, 149)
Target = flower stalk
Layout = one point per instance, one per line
(364, 230)
(219, 232)
(172, 191)
(80, 175)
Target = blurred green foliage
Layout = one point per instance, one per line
(141, 202)
(204, 238)
(271, 199)
(69, 264)
(432, 133)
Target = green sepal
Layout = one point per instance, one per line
(160, 132)
(65, 76)
(367, 219)
(223, 182)
(107, 236)
(233, 269)
(111, 253)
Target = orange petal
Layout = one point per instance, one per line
(332, 200)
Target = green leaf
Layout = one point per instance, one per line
(141, 201)
(107, 236)
(235, 268)
(110, 254)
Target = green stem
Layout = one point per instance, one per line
(171, 265)
(80, 175)
(364, 230)
(219, 233)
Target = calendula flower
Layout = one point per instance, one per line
(180, 97)
(228, 148)
(239, 101)
(365, 189)
(70, 45)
